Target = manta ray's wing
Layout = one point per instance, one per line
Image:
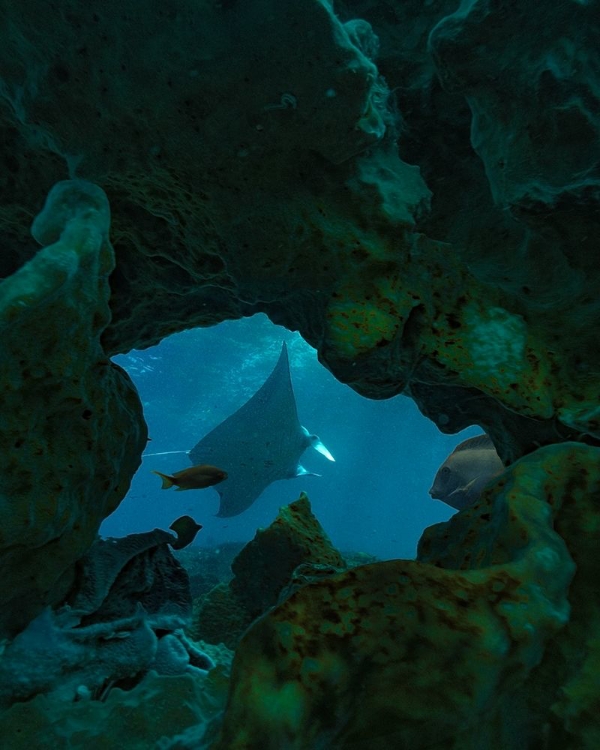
(258, 444)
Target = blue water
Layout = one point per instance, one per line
(372, 499)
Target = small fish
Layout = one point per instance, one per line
(186, 529)
(194, 478)
(461, 478)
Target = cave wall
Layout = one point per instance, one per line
(414, 187)
(428, 225)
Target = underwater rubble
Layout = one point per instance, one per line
(111, 660)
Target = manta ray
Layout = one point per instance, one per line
(258, 444)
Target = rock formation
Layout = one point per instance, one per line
(414, 187)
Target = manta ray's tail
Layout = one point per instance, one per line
(162, 453)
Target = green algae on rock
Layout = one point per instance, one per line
(72, 422)
(561, 696)
(262, 571)
(160, 707)
(266, 564)
(219, 617)
(345, 243)
(453, 259)
(423, 653)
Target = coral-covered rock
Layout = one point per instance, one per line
(72, 425)
(280, 559)
(266, 564)
(439, 653)
(125, 616)
(270, 180)
(562, 693)
(431, 231)
(116, 575)
(220, 617)
(159, 707)
(567, 679)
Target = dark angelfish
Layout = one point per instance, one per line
(258, 444)
(186, 529)
(463, 475)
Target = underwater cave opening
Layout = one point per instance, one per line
(374, 499)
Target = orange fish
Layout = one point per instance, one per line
(194, 478)
(463, 475)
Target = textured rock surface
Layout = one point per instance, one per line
(71, 425)
(440, 240)
(125, 616)
(115, 576)
(561, 697)
(266, 563)
(158, 707)
(220, 617)
(267, 179)
(263, 570)
(458, 650)
(500, 103)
